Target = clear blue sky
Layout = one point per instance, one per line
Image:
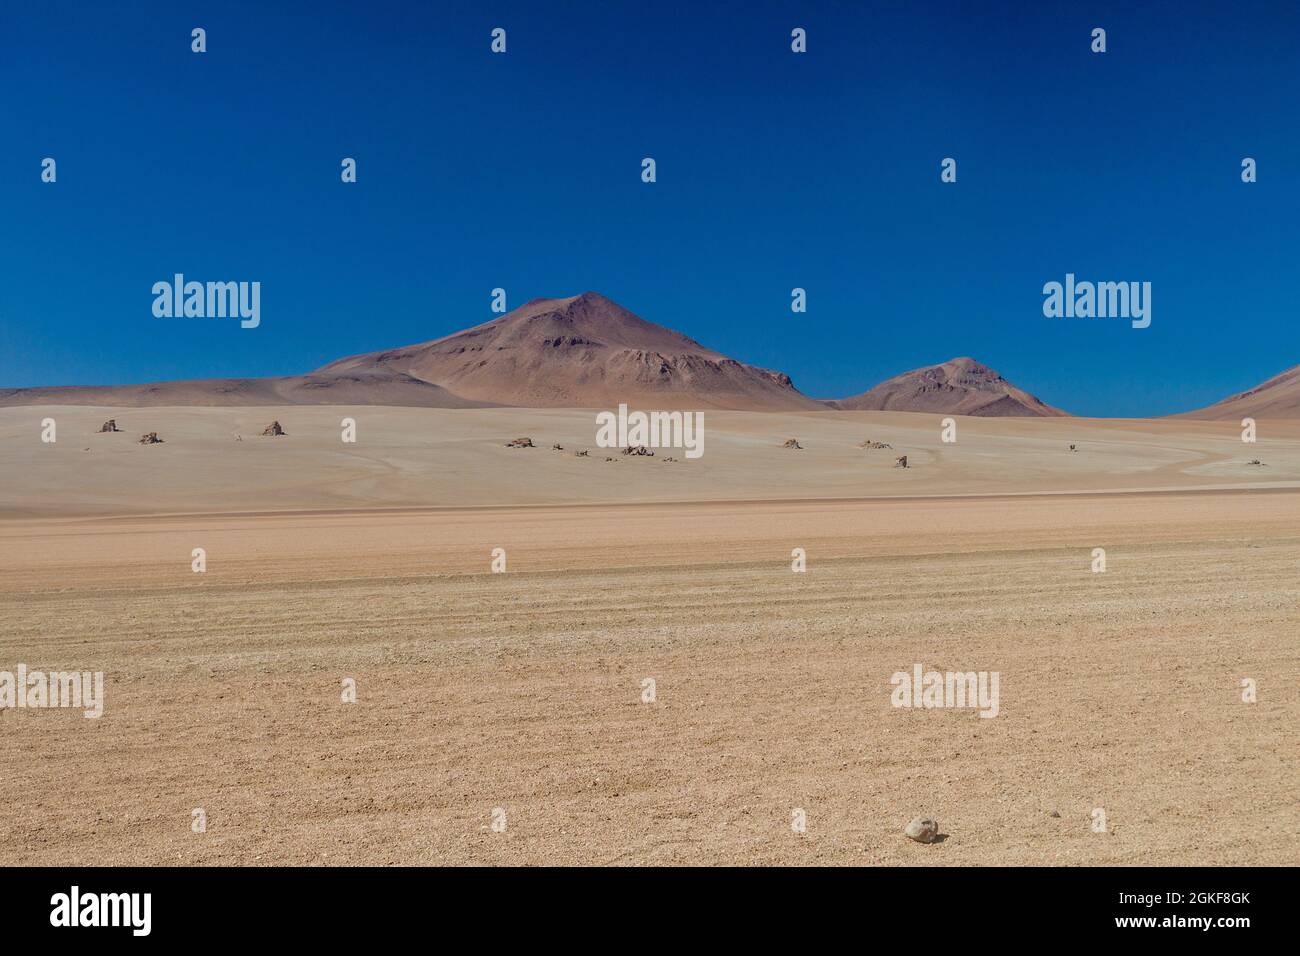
(775, 170)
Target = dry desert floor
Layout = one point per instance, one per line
(521, 695)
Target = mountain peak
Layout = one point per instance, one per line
(959, 386)
(584, 351)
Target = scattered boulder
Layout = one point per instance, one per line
(922, 830)
(150, 439)
(900, 461)
(670, 459)
(110, 426)
(792, 443)
(557, 448)
(273, 429)
(638, 450)
(1254, 461)
(582, 453)
(1073, 448)
(520, 443)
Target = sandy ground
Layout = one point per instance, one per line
(413, 457)
(523, 690)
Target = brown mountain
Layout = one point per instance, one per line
(1279, 397)
(318, 388)
(960, 386)
(583, 352)
(580, 352)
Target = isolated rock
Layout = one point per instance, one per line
(110, 426)
(923, 830)
(557, 448)
(273, 429)
(638, 450)
(582, 454)
(900, 461)
(150, 439)
(792, 443)
(520, 443)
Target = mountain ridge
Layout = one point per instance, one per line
(588, 351)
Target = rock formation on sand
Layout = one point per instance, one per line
(960, 386)
(520, 443)
(273, 429)
(638, 450)
(109, 426)
(792, 443)
(151, 438)
(900, 461)
(923, 830)
(583, 352)
(1279, 397)
(869, 444)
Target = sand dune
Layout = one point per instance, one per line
(960, 386)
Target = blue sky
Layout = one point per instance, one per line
(775, 170)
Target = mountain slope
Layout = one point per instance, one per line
(580, 352)
(1279, 397)
(343, 388)
(960, 386)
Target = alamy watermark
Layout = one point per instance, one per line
(130, 910)
(42, 689)
(1098, 300)
(683, 430)
(210, 300)
(927, 689)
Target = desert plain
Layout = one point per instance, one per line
(520, 696)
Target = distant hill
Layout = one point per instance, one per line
(344, 388)
(580, 352)
(1279, 397)
(960, 386)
